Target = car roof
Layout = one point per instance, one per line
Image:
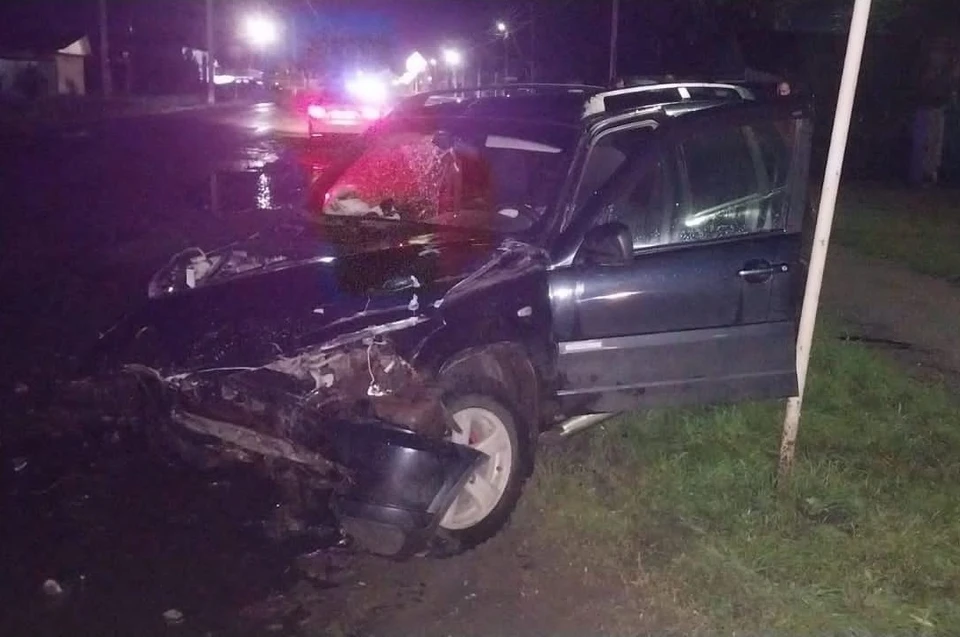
(556, 103)
(577, 105)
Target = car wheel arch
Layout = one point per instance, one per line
(507, 364)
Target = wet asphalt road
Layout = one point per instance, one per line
(105, 204)
(88, 213)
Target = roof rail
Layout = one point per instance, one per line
(673, 92)
(496, 90)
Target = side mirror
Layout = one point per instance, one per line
(609, 244)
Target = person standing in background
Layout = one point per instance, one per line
(936, 90)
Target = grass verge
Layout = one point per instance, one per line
(919, 228)
(866, 540)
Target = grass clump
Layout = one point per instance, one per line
(867, 538)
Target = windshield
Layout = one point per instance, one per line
(498, 176)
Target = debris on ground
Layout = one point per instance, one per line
(173, 617)
(52, 588)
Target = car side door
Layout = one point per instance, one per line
(702, 308)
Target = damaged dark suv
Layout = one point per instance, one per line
(481, 267)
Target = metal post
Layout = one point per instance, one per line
(533, 43)
(506, 56)
(821, 238)
(211, 63)
(614, 33)
(105, 70)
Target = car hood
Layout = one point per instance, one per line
(298, 285)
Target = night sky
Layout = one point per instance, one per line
(571, 35)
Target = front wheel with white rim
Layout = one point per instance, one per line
(491, 492)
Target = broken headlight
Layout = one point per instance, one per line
(183, 272)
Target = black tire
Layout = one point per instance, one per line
(472, 393)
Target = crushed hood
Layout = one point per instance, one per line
(300, 285)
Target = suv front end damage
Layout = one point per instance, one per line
(350, 423)
(321, 376)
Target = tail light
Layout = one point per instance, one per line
(315, 111)
(370, 112)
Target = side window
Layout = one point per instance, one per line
(724, 190)
(773, 142)
(639, 204)
(608, 156)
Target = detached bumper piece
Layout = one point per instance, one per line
(403, 484)
(396, 485)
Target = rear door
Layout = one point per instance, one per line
(705, 310)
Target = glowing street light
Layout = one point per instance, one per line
(261, 31)
(505, 34)
(416, 63)
(452, 58)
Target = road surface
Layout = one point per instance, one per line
(104, 204)
(89, 212)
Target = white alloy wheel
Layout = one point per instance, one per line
(483, 430)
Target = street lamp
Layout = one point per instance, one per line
(504, 31)
(261, 31)
(452, 58)
(416, 63)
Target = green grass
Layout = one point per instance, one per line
(867, 538)
(919, 228)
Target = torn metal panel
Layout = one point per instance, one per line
(250, 440)
(513, 260)
(370, 371)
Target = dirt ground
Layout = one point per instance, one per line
(913, 316)
(513, 585)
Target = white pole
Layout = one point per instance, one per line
(211, 62)
(821, 238)
(106, 71)
(614, 33)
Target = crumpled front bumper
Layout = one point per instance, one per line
(391, 486)
(394, 485)
(402, 484)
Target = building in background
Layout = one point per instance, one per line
(34, 67)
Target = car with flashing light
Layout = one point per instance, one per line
(483, 268)
(349, 108)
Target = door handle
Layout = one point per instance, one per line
(759, 270)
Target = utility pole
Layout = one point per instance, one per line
(821, 234)
(614, 33)
(211, 66)
(506, 57)
(533, 43)
(105, 71)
